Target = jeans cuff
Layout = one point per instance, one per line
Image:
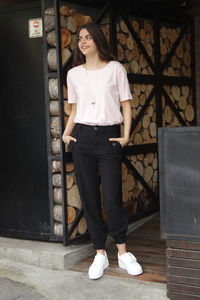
(121, 240)
(99, 246)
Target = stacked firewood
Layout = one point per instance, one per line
(135, 197)
(182, 100)
(180, 63)
(74, 204)
(128, 51)
(145, 131)
(70, 19)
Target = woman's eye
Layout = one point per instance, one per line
(86, 38)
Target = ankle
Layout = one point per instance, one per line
(121, 248)
(122, 252)
(101, 251)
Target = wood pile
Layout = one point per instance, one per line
(74, 204)
(135, 197)
(70, 19)
(180, 63)
(130, 55)
(128, 51)
(182, 100)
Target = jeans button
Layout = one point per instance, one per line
(95, 128)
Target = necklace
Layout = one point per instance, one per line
(92, 87)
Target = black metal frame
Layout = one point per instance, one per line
(48, 75)
(61, 124)
(157, 80)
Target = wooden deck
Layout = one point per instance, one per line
(146, 245)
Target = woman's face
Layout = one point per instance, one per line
(85, 43)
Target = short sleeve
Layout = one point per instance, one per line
(72, 97)
(123, 84)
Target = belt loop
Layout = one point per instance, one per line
(79, 127)
(116, 130)
(113, 130)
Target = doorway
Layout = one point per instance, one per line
(24, 200)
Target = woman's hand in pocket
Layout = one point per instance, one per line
(67, 139)
(123, 141)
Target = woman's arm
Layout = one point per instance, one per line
(127, 115)
(70, 126)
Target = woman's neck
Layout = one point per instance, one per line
(94, 63)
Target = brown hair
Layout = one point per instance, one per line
(99, 39)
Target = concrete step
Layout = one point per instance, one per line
(49, 254)
(43, 254)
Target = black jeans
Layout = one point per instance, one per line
(98, 160)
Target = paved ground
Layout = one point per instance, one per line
(25, 282)
(10, 290)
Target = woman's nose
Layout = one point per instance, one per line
(84, 39)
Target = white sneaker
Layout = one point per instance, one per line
(98, 266)
(129, 262)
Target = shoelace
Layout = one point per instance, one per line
(132, 258)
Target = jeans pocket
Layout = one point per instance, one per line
(71, 143)
(116, 145)
(120, 145)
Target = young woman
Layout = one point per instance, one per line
(97, 89)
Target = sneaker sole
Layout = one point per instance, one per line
(122, 266)
(93, 278)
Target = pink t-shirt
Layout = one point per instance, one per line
(98, 93)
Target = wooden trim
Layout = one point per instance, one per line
(181, 262)
(183, 245)
(182, 288)
(158, 72)
(183, 270)
(113, 28)
(180, 271)
(188, 254)
(184, 279)
(181, 296)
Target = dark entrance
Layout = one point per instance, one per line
(24, 200)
